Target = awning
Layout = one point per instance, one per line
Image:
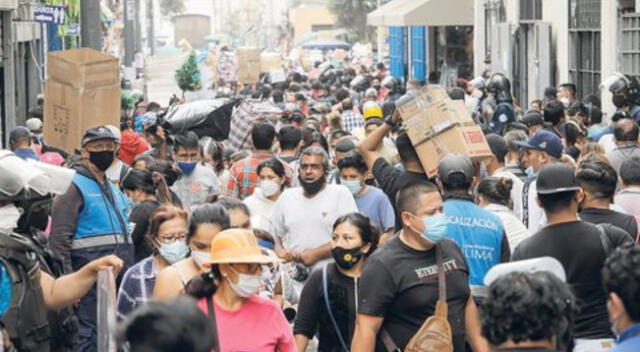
(403, 13)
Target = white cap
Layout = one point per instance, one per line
(116, 132)
(549, 264)
(34, 124)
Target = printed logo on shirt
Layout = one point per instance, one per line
(477, 251)
(431, 271)
(472, 222)
(196, 187)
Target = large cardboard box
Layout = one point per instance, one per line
(438, 126)
(82, 91)
(83, 68)
(270, 62)
(248, 65)
(70, 111)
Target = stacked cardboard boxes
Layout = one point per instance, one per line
(248, 65)
(82, 91)
(438, 126)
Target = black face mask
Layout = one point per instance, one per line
(102, 160)
(619, 101)
(346, 258)
(312, 188)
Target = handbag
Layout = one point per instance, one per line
(435, 333)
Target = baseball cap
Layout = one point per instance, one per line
(116, 132)
(455, 163)
(97, 133)
(556, 178)
(19, 133)
(548, 264)
(34, 124)
(544, 141)
(532, 118)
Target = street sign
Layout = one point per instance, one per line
(49, 14)
(73, 30)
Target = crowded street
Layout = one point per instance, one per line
(320, 175)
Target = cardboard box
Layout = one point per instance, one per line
(270, 62)
(467, 140)
(248, 65)
(438, 126)
(69, 111)
(83, 68)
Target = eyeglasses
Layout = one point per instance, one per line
(101, 147)
(170, 238)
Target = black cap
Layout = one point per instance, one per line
(532, 118)
(19, 133)
(455, 164)
(556, 178)
(97, 133)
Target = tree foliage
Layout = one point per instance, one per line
(171, 7)
(352, 15)
(188, 75)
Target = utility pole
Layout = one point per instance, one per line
(129, 32)
(90, 24)
(151, 31)
(379, 32)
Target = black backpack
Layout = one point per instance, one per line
(26, 318)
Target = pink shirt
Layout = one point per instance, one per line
(259, 326)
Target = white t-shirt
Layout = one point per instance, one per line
(304, 223)
(261, 209)
(537, 217)
(608, 143)
(194, 189)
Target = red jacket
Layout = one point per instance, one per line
(131, 145)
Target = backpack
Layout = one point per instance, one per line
(26, 318)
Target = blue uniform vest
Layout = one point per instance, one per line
(479, 235)
(98, 217)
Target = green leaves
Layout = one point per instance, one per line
(188, 75)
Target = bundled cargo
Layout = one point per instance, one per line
(205, 118)
(438, 126)
(82, 91)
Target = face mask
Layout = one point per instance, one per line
(268, 187)
(346, 258)
(619, 101)
(529, 171)
(353, 186)
(247, 286)
(174, 252)
(200, 257)
(9, 216)
(312, 188)
(565, 102)
(102, 160)
(435, 228)
(187, 168)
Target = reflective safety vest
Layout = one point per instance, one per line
(479, 235)
(99, 222)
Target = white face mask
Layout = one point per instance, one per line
(268, 187)
(200, 257)
(247, 286)
(9, 216)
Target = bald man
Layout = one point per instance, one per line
(625, 133)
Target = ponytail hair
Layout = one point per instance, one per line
(205, 284)
(496, 190)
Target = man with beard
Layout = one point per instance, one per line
(303, 216)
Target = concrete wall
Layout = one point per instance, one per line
(303, 18)
(556, 12)
(609, 49)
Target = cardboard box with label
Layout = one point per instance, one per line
(82, 91)
(438, 126)
(248, 65)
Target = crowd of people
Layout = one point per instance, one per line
(317, 228)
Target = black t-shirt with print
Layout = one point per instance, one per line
(400, 284)
(579, 247)
(391, 180)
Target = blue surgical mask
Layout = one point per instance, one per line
(529, 171)
(435, 228)
(187, 167)
(354, 186)
(174, 252)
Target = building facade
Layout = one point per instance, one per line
(540, 43)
